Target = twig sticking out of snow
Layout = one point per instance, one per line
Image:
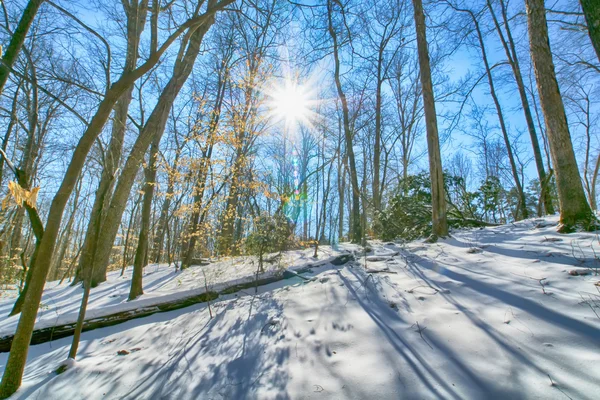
(592, 303)
(541, 281)
(420, 331)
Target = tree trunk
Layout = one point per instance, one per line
(513, 165)
(200, 186)
(142, 248)
(591, 10)
(438, 197)
(155, 126)
(17, 39)
(355, 228)
(377, 145)
(159, 238)
(574, 209)
(107, 180)
(511, 54)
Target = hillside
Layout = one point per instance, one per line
(487, 313)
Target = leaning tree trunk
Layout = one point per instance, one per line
(155, 126)
(15, 365)
(591, 10)
(438, 197)
(574, 209)
(17, 39)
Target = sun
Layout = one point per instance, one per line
(290, 102)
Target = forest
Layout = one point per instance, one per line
(255, 139)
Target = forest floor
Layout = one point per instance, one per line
(487, 313)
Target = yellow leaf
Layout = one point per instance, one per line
(22, 195)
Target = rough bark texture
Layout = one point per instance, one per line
(106, 184)
(591, 10)
(513, 60)
(574, 209)
(438, 197)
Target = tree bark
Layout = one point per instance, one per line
(511, 54)
(355, 231)
(17, 39)
(438, 197)
(154, 127)
(107, 179)
(591, 10)
(142, 248)
(574, 209)
(513, 165)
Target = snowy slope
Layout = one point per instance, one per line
(465, 318)
(162, 283)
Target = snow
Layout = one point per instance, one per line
(430, 321)
(161, 283)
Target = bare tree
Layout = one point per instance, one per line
(508, 44)
(355, 231)
(438, 197)
(574, 209)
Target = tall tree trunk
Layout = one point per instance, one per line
(155, 126)
(107, 181)
(377, 144)
(574, 209)
(142, 248)
(355, 228)
(438, 197)
(159, 238)
(341, 177)
(200, 184)
(513, 60)
(591, 10)
(513, 165)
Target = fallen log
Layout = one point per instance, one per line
(44, 335)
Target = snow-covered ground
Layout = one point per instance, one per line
(490, 313)
(162, 283)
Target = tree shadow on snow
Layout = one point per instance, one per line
(590, 334)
